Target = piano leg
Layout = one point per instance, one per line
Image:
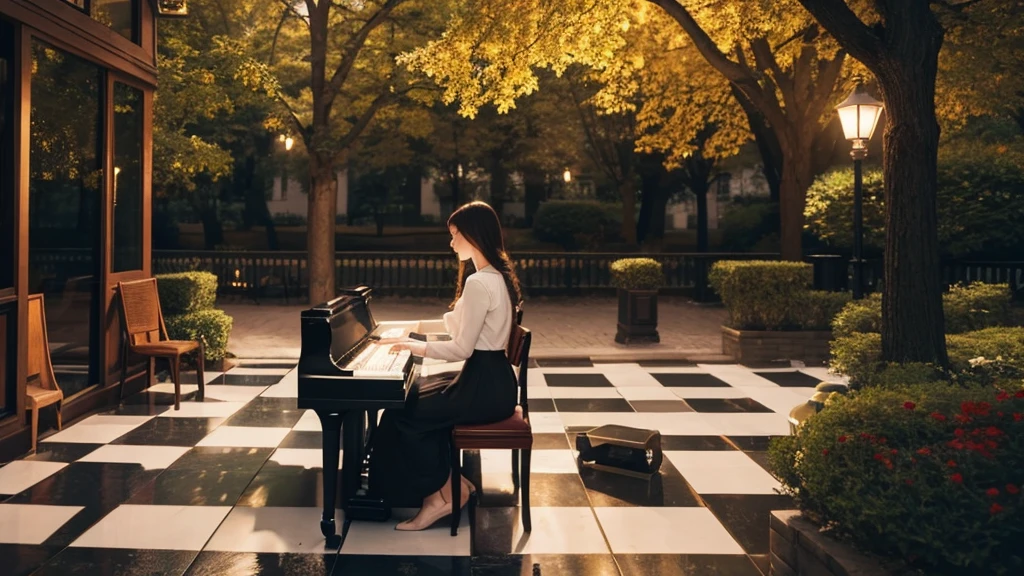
(331, 426)
(352, 455)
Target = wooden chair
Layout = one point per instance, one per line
(41, 388)
(146, 334)
(514, 433)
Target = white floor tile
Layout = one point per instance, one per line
(736, 375)
(722, 472)
(538, 392)
(675, 370)
(150, 457)
(300, 457)
(99, 429)
(541, 462)
(272, 530)
(154, 527)
(781, 400)
(381, 538)
(558, 530)
(711, 392)
(650, 530)
(749, 424)
(23, 474)
(32, 523)
(309, 422)
(628, 375)
(658, 392)
(203, 410)
(245, 437)
(288, 387)
(822, 373)
(168, 388)
(568, 370)
(546, 423)
(668, 423)
(583, 392)
(232, 393)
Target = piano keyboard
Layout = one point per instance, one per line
(380, 361)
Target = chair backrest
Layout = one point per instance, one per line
(140, 311)
(518, 353)
(39, 364)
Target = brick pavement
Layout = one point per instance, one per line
(562, 327)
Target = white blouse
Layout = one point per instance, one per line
(481, 319)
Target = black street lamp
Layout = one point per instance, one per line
(859, 115)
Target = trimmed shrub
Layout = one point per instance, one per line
(931, 475)
(761, 295)
(817, 308)
(859, 316)
(637, 274)
(186, 292)
(212, 326)
(577, 224)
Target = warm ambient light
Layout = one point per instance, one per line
(859, 114)
(567, 176)
(288, 143)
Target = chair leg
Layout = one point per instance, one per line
(60, 404)
(200, 361)
(35, 426)
(525, 481)
(515, 469)
(124, 369)
(175, 370)
(456, 480)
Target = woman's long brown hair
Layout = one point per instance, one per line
(479, 225)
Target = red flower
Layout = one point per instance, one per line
(962, 419)
(1002, 396)
(894, 451)
(881, 439)
(909, 405)
(999, 414)
(1012, 489)
(951, 464)
(993, 431)
(967, 407)
(879, 457)
(992, 492)
(842, 439)
(956, 444)
(824, 452)
(888, 464)
(939, 417)
(925, 451)
(959, 432)
(909, 482)
(983, 408)
(865, 436)
(1017, 416)
(1019, 394)
(995, 508)
(957, 478)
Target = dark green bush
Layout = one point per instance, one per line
(212, 326)
(859, 316)
(761, 295)
(185, 292)
(928, 474)
(577, 224)
(637, 274)
(817, 309)
(749, 224)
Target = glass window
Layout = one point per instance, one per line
(65, 201)
(119, 15)
(127, 178)
(7, 184)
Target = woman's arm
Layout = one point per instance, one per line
(467, 320)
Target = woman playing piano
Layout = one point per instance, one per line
(410, 464)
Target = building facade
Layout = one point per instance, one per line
(77, 79)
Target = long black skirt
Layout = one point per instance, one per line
(410, 456)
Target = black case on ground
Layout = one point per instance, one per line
(620, 449)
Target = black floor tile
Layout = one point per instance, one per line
(690, 380)
(250, 416)
(303, 439)
(143, 409)
(216, 459)
(695, 443)
(793, 379)
(170, 432)
(746, 516)
(545, 490)
(660, 406)
(763, 563)
(117, 562)
(592, 405)
(542, 405)
(686, 564)
(61, 451)
(552, 441)
(268, 365)
(248, 379)
(146, 402)
(727, 405)
(762, 460)
(668, 488)
(752, 443)
(261, 403)
(193, 488)
(581, 380)
(286, 486)
(564, 362)
(253, 564)
(103, 485)
(23, 559)
(494, 528)
(401, 565)
(545, 565)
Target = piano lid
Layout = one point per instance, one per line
(342, 323)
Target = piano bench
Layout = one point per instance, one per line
(513, 433)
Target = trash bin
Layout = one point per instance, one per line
(830, 272)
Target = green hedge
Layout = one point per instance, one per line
(930, 475)
(213, 326)
(577, 224)
(185, 292)
(637, 274)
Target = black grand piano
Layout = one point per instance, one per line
(346, 376)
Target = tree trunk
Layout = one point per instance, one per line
(767, 143)
(628, 194)
(912, 316)
(702, 218)
(499, 185)
(796, 179)
(320, 229)
(533, 183)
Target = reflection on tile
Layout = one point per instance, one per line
(254, 564)
(291, 487)
(686, 564)
(101, 486)
(399, 564)
(275, 530)
(115, 562)
(303, 439)
(32, 523)
(60, 452)
(193, 488)
(583, 380)
(266, 418)
(668, 488)
(592, 405)
(790, 379)
(149, 457)
(723, 472)
(264, 380)
(170, 432)
(282, 364)
(690, 380)
(22, 474)
(23, 559)
(223, 459)
(660, 406)
(742, 405)
(556, 530)
(691, 530)
(545, 490)
(232, 393)
(154, 527)
(695, 443)
(745, 516)
(245, 436)
(373, 538)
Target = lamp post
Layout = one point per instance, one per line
(859, 115)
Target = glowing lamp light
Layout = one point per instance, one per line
(567, 175)
(859, 115)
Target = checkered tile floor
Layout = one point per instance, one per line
(232, 485)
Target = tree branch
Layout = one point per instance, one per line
(362, 122)
(852, 33)
(355, 44)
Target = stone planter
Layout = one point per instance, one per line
(798, 548)
(638, 317)
(810, 346)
